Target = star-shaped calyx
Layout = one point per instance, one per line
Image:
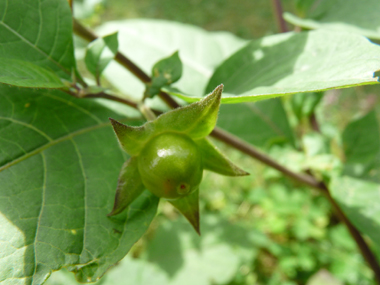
(168, 156)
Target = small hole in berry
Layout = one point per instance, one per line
(183, 189)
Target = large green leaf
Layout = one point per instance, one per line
(262, 123)
(359, 200)
(59, 164)
(361, 17)
(147, 41)
(39, 32)
(297, 62)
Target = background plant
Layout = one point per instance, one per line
(59, 160)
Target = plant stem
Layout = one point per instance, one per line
(83, 32)
(147, 112)
(278, 11)
(241, 145)
(356, 235)
(314, 123)
(113, 98)
(88, 35)
(168, 100)
(247, 148)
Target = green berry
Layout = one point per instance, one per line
(170, 166)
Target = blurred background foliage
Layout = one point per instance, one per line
(245, 18)
(260, 229)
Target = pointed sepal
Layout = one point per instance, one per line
(196, 120)
(215, 161)
(129, 186)
(132, 139)
(189, 207)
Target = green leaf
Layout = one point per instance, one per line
(147, 41)
(304, 5)
(303, 105)
(196, 120)
(39, 32)
(99, 54)
(164, 73)
(262, 124)
(353, 16)
(297, 62)
(189, 207)
(361, 142)
(58, 173)
(314, 158)
(215, 161)
(26, 74)
(374, 173)
(359, 200)
(129, 186)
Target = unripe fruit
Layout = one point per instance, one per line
(170, 166)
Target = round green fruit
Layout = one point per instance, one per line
(170, 166)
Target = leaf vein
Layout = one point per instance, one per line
(35, 48)
(39, 215)
(84, 195)
(40, 24)
(52, 143)
(70, 103)
(5, 11)
(28, 126)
